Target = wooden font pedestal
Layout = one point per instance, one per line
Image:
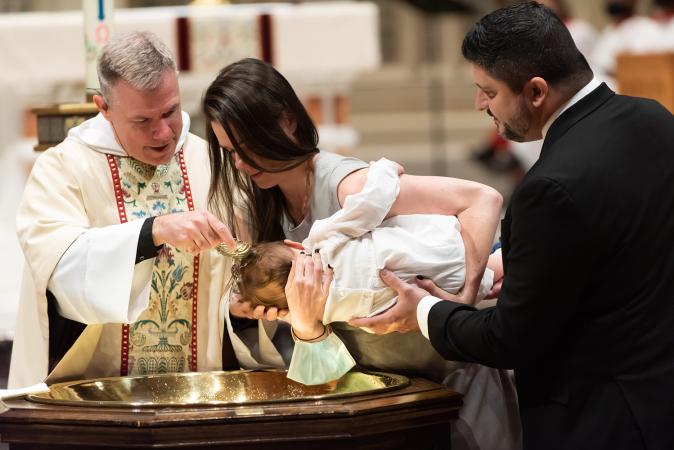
(415, 417)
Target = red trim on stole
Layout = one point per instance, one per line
(195, 288)
(121, 209)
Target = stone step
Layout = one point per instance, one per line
(468, 127)
(454, 160)
(402, 89)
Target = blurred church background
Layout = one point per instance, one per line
(380, 77)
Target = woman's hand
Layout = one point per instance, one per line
(242, 308)
(306, 291)
(495, 290)
(495, 263)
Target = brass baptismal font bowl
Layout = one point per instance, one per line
(211, 389)
(228, 410)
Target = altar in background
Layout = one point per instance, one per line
(649, 75)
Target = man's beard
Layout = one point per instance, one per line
(517, 129)
(511, 134)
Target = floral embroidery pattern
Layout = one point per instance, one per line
(161, 340)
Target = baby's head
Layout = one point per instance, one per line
(261, 275)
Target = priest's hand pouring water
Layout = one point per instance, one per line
(193, 231)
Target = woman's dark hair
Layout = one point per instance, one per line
(523, 41)
(251, 100)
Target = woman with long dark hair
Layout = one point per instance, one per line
(271, 180)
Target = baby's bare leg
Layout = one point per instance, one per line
(495, 263)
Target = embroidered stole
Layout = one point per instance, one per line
(164, 338)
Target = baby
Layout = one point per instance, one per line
(357, 243)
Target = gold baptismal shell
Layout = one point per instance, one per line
(242, 248)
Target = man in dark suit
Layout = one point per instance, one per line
(586, 312)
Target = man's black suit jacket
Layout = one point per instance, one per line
(586, 314)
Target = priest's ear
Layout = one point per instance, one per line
(101, 104)
(536, 91)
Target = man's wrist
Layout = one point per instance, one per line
(423, 309)
(156, 229)
(146, 248)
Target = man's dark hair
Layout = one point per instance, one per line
(517, 43)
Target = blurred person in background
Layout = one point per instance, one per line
(628, 32)
(663, 14)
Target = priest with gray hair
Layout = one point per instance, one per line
(121, 276)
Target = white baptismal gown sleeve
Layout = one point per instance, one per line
(329, 359)
(97, 279)
(362, 212)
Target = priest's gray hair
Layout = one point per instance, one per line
(140, 58)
